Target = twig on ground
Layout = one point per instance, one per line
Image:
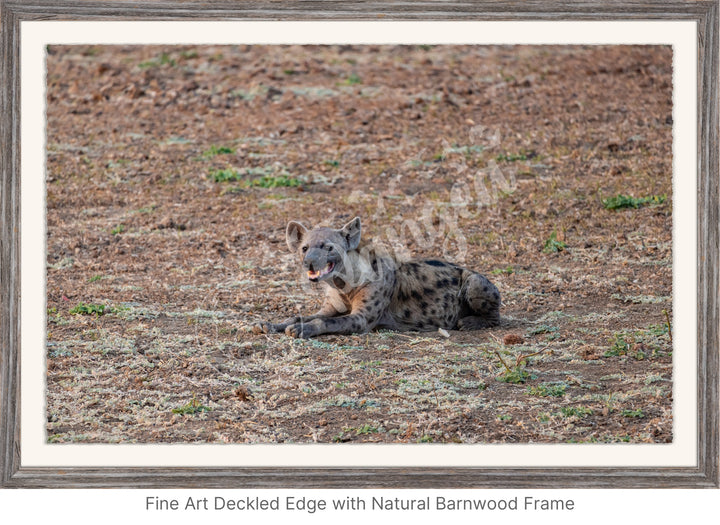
(667, 318)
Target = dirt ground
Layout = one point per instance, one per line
(173, 171)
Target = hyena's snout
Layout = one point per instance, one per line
(318, 263)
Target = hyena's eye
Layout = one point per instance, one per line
(304, 249)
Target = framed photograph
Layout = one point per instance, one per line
(399, 245)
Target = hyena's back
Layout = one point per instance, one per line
(432, 293)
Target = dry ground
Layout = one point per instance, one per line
(172, 172)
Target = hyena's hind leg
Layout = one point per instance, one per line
(479, 302)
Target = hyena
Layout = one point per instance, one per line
(367, 288)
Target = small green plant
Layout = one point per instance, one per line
(193, 407)
(352, 80)
(117, 230)
(225, 175)
(575, 411)
(517, 376)
(276, 182)
(619, 346)
(95, 278)
(162, 60)
(265, 181)
(89, 309)
(553, 245)
(367, 428)
(498, 271)
(626, 201)
(217, 150)
(548, 389)
(543, 417)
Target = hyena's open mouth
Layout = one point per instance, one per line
(316, 275)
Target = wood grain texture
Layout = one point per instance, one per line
(705, 474)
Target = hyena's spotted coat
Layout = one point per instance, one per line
(366, 288)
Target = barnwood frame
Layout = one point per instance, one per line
(704, 474)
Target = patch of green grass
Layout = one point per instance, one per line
(548, 389)
(657, 330)
(553, 245)
(619, 346)
(189, 53)
(163, 59)
(352, 80)
(367, 428)
(266, 180)
(517, 376)
(633, 413)
(89, 309)
(276, 182)
(498, 271)
(635, 343)
(575, 411)
(626, 201)
(425, 439)
(217, 150)
(95, 278)
(225, 175)
(542, 329)
(117, 230)
(193, 407)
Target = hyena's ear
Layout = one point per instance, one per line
(294, 235)
(351, 232)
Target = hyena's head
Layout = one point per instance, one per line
(323, 250)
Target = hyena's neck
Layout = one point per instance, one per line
(359, 269)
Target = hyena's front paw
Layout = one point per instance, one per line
(301, 330)
(265, 328)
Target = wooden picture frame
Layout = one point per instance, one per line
(704, 474)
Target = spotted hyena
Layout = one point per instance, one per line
(366, 288)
